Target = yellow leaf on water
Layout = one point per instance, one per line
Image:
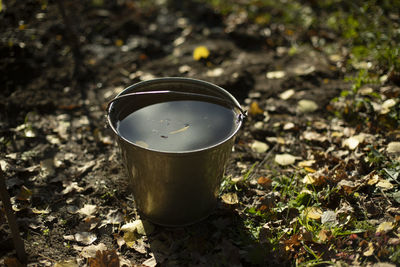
(180, 130)
(200, 52)
(313, 213)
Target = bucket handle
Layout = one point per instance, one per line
(242, 114)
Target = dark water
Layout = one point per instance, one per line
(178, 125)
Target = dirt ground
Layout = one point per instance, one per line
(62, 63)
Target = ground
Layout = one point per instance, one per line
(300, 162)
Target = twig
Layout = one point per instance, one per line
(12, 222)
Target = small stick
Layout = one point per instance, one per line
(12, 222)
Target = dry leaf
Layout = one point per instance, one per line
(353, 142)
(369, 251)
(230, 198)
(373, 180)
(385, 184)
(152, 262)
(36, 211)
(393, 147)
(24, 194)
(104, 258)
(387, 105)
(90, 251)
(259, 147)
(285, 159)
(306, 106)
(264, 181)
(88, 210)
(180, 130)
(86, 238)
(287, 94)
(275, 74)
(313, 213)
(385, 227)
(200, 52)
(255, 109)
(215, 72)
(329, 217)
(69, 263)
(323, 235)
(306, 163)
(141, 227)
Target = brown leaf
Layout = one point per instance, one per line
(264, 181)
(255, 109)
(12, 262)
(107, 258)
(24, 194)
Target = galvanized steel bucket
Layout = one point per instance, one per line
(181, 187)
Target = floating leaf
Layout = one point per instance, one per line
(230, 198)
(385, 227)
(285, 159)
(307, 106)
(255, 109)
(313, 213)
(180, 130)
(393, 147)
(275, 74)
(259, 147)
(200, 52)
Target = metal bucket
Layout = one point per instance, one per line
(179, 187)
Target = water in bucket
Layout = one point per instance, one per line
(177, 126)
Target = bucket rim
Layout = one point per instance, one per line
(235, 103)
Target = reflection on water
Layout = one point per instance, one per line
(178, 125)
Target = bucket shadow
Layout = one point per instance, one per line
(220, 240)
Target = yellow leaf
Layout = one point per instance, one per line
(255, 109)
(200, 52)
(373, 180)
(385, 227)
(370, 250)
(119, 42)
(130, 238)
(313, 213)
(308, 169)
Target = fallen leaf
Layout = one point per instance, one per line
(354, 141)
(255, 109)
(373, 180)
(393, 147)
(37, 211)
(287, 94)
(306, 163)
(323, 235)
(104, 258)
(303, 69)
(230, 198)
(329, 217)
(259, 147)
(314, 136)
(113, 217)
(385, 227)
(67, 263)
(285, 159)
(369, 251)
(275, 74)
(70, 187)
(152, 262)
(24, 194)
(130, 238)
(385, 184)
(288, 126)
(264, 181)
(86, 238)
(313, 213)
(200, 52)
(387, 105)
(88, 210)
(348, 186)
(141, 227)
(306, 106)
(90, 251)
(215, 72)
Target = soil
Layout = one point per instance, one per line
(58, 74)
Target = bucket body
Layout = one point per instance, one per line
(173, 188)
